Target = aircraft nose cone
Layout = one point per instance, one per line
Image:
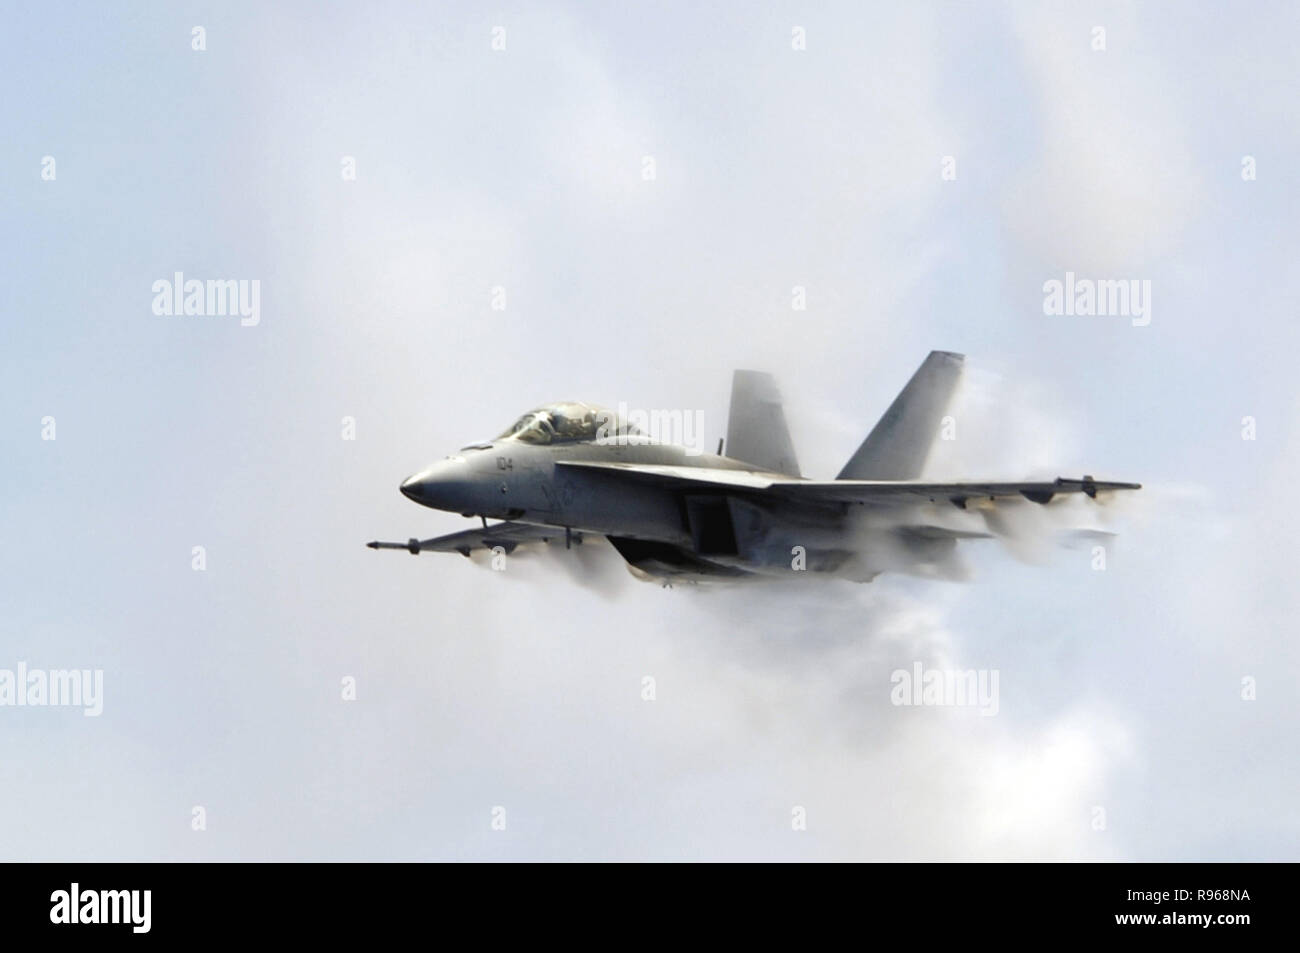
(440, 487)
(411, 488)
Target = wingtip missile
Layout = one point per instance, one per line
(411, 545)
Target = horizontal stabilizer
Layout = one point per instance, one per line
(930, 533)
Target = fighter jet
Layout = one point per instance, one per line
(571, 470)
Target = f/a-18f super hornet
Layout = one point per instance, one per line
(569, 470)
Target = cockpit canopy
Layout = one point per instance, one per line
(566, 422)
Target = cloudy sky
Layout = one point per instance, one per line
(1122, 732)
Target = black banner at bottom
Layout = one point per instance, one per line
(135, 902)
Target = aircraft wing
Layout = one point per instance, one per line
(684, 477)
(915, 491)
(506, 535)
(876, 492)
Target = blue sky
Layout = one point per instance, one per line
(522, 168)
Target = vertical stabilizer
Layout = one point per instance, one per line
(897, 448)
(756, 430)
